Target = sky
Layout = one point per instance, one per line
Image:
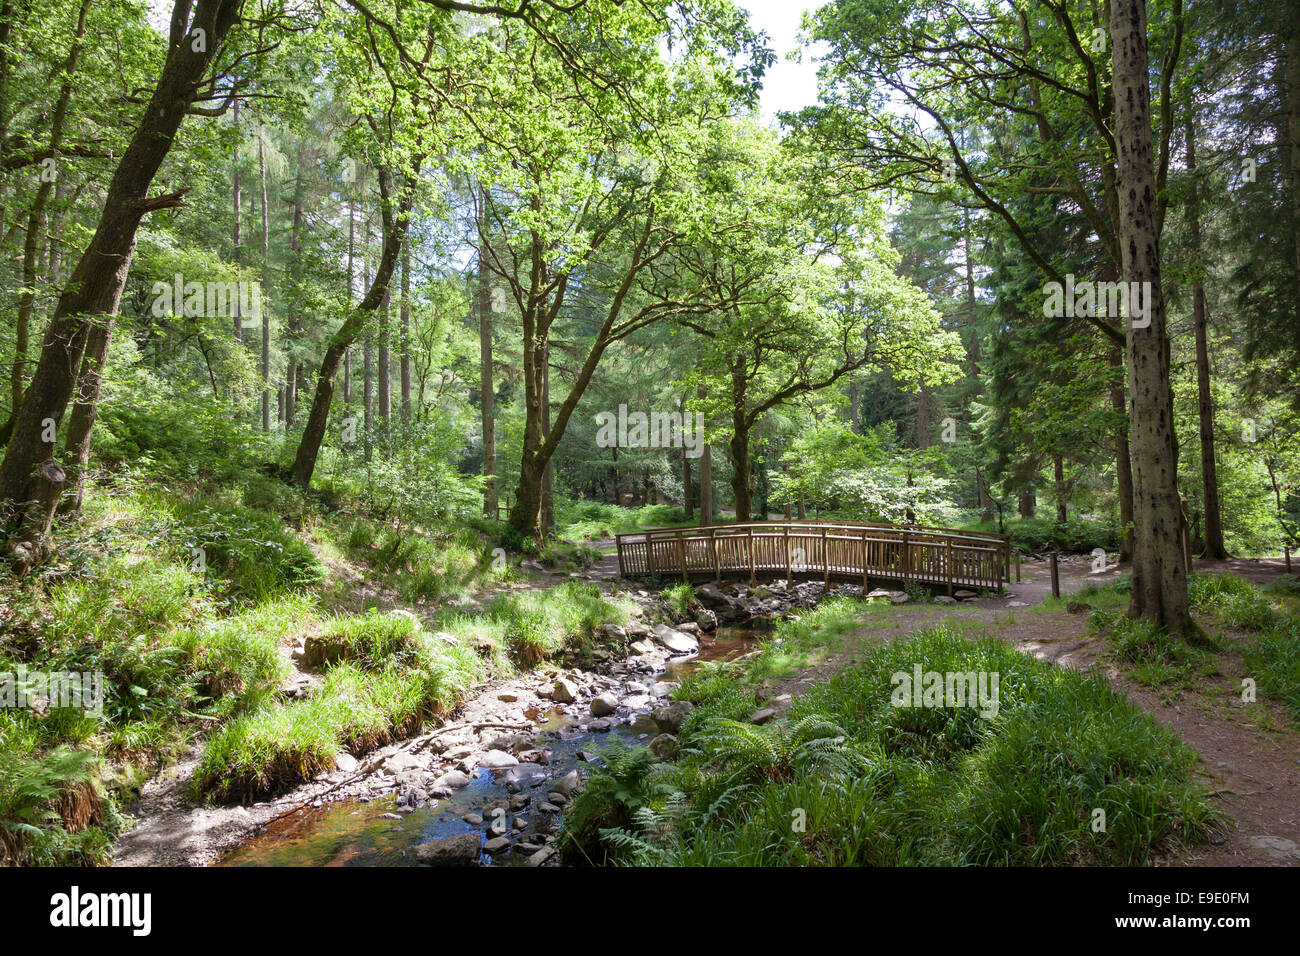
(787, 85)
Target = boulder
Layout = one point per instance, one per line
(566, 784)
(399, 762)
(540, 857)
(664, 746)
(669, 719)
(706, 619)
(345, 762)
(763, 715)
(604, 705)
(460, 850)
(711, 597)
(496, 845)
(453, 780)
(675, 641)
(497, 759)
(564, 692)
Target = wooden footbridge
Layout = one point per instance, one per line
(853, 551)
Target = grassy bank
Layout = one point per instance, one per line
(191, 603)
(1067, 771)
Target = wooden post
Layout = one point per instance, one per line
(907, 559)
(681, 554)
(1017, 565)
(864, 563)
(826, 565)
(717, 562)
(649, 556)
(786, 537)
(751, 557)
(949, 540)
(1056, 579)
(618, 545)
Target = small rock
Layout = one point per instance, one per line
(1078, 607)
(497, 845)
(763, 715)
(473, 819)
(564, 692)
(604, 705)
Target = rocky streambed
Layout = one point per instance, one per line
(491, 786)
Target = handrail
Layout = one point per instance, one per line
(858, 550)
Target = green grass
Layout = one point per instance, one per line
(876, 784)
(423, 566)
(578, 521)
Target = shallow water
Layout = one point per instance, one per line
(353, 833)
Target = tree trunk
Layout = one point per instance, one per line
(405, 341)
(739, 444)
(688, 504)
(1058, 476)
(1159, 591)
(36, 216)
(740, 465)
(1028, 503)
(82, 420)
(1123, 466)
(237, 237)
(266, 290)
(94, 289)
(548, 474)
(1214, 547)
(367, 397)
(923, 438)
(706, 477)
(385, 365)
(395, 230)
(294, 324)
(486, 391)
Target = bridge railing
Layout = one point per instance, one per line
(858, 552)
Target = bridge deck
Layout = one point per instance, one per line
(858, 552)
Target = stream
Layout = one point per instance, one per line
(357, 833)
